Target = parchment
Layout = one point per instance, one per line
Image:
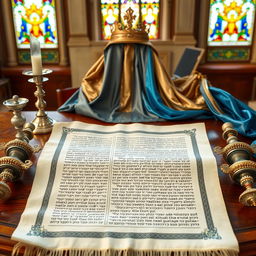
(121, 187)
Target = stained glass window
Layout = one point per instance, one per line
(231, 22)
(110, 14)
(114, 10)
(150, 11)
(36, 17)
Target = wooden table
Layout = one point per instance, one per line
(243, 219)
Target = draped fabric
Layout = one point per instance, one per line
(129, 84)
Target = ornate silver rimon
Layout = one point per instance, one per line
(240, 167)
(18, 151)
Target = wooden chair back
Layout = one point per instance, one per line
(64, 94)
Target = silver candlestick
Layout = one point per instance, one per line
(43, 123)
(16, 104)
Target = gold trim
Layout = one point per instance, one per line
(7, 160)
(246, 181)
(248, 197)
(6, 175)
(236, 145)
(245, 164)
(127, 79)
(233, 146)
(21, 144)
(210, 97)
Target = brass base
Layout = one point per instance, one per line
(248, 197)
(43, 124)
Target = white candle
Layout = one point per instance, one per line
(36, 58)
(36, 62)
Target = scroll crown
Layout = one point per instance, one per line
(126, 34)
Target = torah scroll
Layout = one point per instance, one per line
(126, 190)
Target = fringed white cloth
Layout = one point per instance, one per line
(34, 251)
(126, 190)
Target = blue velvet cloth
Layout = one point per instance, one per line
(235, 111)
(147, 104)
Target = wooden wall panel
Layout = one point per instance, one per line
(60, 78)
(236, 79)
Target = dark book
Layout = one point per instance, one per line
(188, 61)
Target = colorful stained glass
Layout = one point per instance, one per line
(110, 14)
(150, 13)
(114, 10)
(49, 56)
(231, 22)
(37, 18)
(228, 54)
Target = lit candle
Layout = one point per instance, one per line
(36, 58)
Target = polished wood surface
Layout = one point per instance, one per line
(243, 219)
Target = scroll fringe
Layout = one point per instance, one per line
(37, 251)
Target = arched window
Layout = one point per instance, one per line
(37, 18)
(146, 11)
(230, 30)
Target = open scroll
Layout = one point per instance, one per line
(126, 190)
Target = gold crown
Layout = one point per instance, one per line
(126, 34)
